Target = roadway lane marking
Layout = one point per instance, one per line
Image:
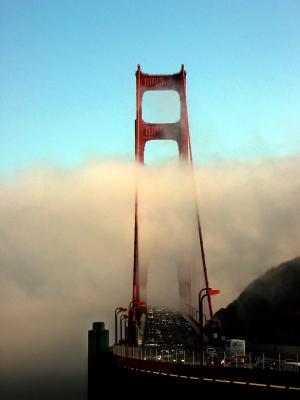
(173, 375)
(277, 386)
(257, 384)
(208, 379)
(240, 383)
(294, 388)
(222, 380)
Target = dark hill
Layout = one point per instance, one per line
(268, 310)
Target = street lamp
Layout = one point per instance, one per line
(117, 311)
(209, 292)
(122, 318)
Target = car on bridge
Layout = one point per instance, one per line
(267, 363)
(210, 351)
(290, 365)
(234, 364)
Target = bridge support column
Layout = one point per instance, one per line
(132, 333)
(99, 360)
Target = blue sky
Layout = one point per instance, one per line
(67, 77)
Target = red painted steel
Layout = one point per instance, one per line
(144, 131)
(136, 286)
(178, 131)
(200, 231)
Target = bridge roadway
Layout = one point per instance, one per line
(166, 364)
(167, 330)
(168, 359)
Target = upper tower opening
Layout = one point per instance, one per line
(161, 106)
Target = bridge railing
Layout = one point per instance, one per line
(191, 357)
(143, 360)
(157, 354)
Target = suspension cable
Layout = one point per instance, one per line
(199, 226)
(203, 258)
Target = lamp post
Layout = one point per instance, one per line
(201, 297)
(122, 318)
(117, 311)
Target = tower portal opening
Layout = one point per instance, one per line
(161, 106)
(160, 151)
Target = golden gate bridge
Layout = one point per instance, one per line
(161, 346)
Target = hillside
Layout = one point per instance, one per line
(268, 310)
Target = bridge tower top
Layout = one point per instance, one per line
(144, 131)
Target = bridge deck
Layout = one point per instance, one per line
(168, 329)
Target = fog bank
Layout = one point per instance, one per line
(66, 245)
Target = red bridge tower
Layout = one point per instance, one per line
(178, 131)
(144, 131)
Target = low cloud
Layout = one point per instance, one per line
(66, 245)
